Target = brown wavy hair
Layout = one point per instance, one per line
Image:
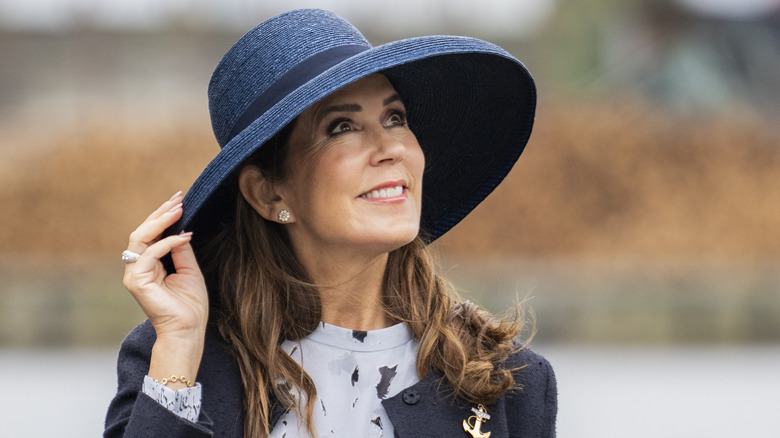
(261, 296)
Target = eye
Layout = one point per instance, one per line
(397, 118)
(340, 126)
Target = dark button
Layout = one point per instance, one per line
(411, 396)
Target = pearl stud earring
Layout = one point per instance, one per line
(284, 215)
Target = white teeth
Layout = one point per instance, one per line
(388, 192)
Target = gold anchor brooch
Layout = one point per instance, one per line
(480, 417)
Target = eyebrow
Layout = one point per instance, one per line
(351, 107)
(394, 98)
(347, 107)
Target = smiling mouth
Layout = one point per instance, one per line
(387, 192)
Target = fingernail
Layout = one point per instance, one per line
(187, 234)
(175, 195)
(174, 208)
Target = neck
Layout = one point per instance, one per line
(351, 291)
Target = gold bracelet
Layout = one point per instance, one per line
(174, 379)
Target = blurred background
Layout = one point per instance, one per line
(641, 227)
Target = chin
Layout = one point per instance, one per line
(406, 238)
(388, 243)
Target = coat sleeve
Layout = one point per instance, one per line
(134, 414)
(550, 402)
(537, 401)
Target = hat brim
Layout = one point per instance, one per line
(470, 104)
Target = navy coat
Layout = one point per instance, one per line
(422, 410)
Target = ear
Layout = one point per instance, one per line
(261, 193)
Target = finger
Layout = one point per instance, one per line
(140, 240)
(159, 249)
(175, 199)
(150, 231)
(148, 266)
(184, 257)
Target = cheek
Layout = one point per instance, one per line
(322, 177)
(416, 159)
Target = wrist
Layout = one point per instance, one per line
(174, 379)
(191, 340)
(174, 356)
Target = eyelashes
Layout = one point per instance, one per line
(397, 118)
(342, 125)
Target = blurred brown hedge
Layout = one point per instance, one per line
(610, 178)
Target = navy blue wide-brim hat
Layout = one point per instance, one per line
(470, 104)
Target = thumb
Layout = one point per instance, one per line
(183, 257)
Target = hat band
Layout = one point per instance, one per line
(288, 82)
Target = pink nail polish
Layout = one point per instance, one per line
(185, 234)
(175, 195)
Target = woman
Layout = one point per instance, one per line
(301, 300)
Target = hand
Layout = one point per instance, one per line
(177, 303)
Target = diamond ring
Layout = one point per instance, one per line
(130, 256)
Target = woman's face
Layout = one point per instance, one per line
(354, 172)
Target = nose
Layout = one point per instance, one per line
(388, 147)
